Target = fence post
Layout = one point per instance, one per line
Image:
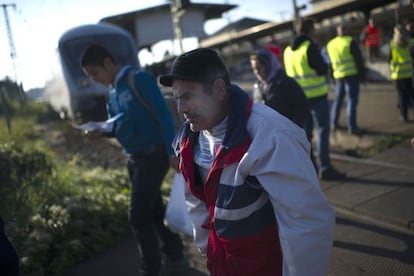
(5, 109)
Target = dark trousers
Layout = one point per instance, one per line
(405, 96)
(348, 86)
(319, 118)
(147, 210)
(373, 53)
(9, 261)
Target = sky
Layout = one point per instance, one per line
(36, 26)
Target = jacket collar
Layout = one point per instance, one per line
(236, 132)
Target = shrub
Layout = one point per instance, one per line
(56, 213)
(59, 215)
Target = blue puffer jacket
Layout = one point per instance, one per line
(137, 130)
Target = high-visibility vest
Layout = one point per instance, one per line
(297, 67)
(401, 62)
(339, 51)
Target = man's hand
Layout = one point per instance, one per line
(174, 161)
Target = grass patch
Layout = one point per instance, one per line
(376, 143)
(57, 212)
(384, 143)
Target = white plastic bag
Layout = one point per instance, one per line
(176, 214)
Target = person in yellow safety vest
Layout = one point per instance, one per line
(402, 71)
(303, 62)
(348, 69)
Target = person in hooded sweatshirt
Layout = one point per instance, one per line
(275, 89)
(304, 62)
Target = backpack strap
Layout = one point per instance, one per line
(168, 99)
(133, 87)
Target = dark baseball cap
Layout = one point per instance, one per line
(195, 65)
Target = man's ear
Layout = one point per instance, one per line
(108, 63)
(220, 88)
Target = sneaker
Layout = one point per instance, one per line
(175, 268)
(331, 174)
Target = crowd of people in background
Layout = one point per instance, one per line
(346, 69)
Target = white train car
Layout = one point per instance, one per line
(69, 91)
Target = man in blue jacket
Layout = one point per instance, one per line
(145, 131)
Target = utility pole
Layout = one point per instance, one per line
(5, 108)
(10, 37)
(396, 12)
(177, 11)
(295, 17)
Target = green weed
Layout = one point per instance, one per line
(57, 213)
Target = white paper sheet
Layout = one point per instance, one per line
(105, 126)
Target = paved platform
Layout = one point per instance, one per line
(379, 187)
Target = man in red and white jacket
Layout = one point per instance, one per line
(256, 203)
